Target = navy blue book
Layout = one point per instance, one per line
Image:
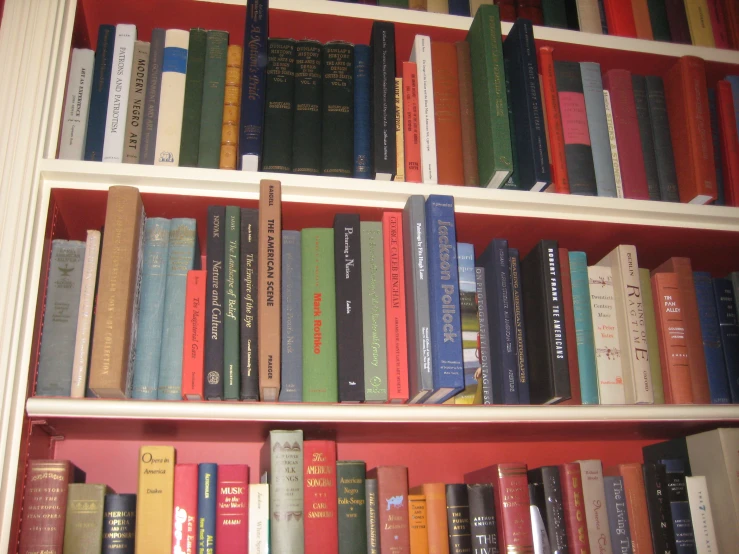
(382, 101)
(720, 197)
(253, 77)
(207, 477)
(718, 384)
(99, 94)
(459, 7)
(362, 125)
(727, 319)
(495, 260)
(677, 495)
(119, 524)
(213, 356)
(530, 142)
(446, 327)
(514, 265)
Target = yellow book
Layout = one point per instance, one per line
(699, 22)
(399, 137)
(154, 503)
(417, 524)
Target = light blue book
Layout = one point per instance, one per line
(292, 318)
(151, 308)
(584, 328)
(184, 255)
(592, 86)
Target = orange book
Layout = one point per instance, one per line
(436, 522)
(636, 506)
(555, 134)
(641, 19)
(192, 355)
(686, 97)
(729, 142)
(447, 114)
(417, 524)
(411, 133)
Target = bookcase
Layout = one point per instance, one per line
(43, 198)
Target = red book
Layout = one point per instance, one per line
(185, 520)
(447, 114)
(731, 14)
(555, 131)
(569, 312)
(533, 13)
(628, 138)
(620, 18)
(397, 345)
(686, 98)
(636, 505)
(410, 123)
(718, 23)
(320, 497)
(192, 356)
(232, 509)
(392, 504)
(507, 9)
(574, 508)
(729, 142)
(671, 333)
(510, 482)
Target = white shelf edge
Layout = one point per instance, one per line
(366, 413)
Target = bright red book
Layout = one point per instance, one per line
(232, 509)
(555, 131)
(447, 113)
(392, 505)
(729, 142)
(574, 508)
(185, 520)
(192, 355)
(718, 24)
(397, 341)
(628, 138)
(410, 123)
(320, 497)
(620, 18)
(564, 265)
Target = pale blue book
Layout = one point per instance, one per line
(151, 308)
(592, 86)
(292, 318)
(184, 255)
(584, 327)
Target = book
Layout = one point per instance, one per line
(171, 98)
(699, 23)
(352, 507)
(362, 106)
(656, 103)
(547, 481)
(588, 16)
(459, 7)
(232, 505)
(614, 145)
(633, 499)
(120, 82)
(718, 383)
(458, 519)
(447, 115)
(421, 56)
(259, 518)
(660, 520)
(592, 84)
(678, 21)
(554, 13)
(732, 22)
(192, 107)
(642, 21)
(419, 537)
(412, 138)
(467, 114)
(574, 508)
(373, 531)
(119, 523)
(701, 514)
(639, 86)
(482, 517)
(116, 314)
(150, 121)
(395, 308)
(77, 105)
(618, 517)
(729, 142)
(96, 119)
(155, 499)
(207, 502)
(185, 514)
(677, 495)
(553, 117)
(231, 109)
(512, 183)
(251, 131)
(671, 449)
(337, 127)
(382, 104)
(61, 314)
(538, 530)
(291, 378)
(231, 328)
(136, 99)
(392, 507)
(583, 319)
(658, 20)
(279, 97)
(716, 139)
(374, 318)
(436, 516)
(572, 361)
(320, 497)
(469, 309)
(214, 89)
(727, 318)
(249, 316)
(524, 389)
(620, 18)
(213, 357)
(399, 134)
(650, 321)
(594, 497)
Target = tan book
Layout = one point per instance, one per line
(418, 5)
(83, 528)
(155, 500)
(399, 136)
(231, 108)
(475, 5)
(588, 16)
(438, 6)
(269, 292)
(114, 338)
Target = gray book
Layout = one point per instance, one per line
(592, 86)
(58, 334)
(417, 299)
(373, 312)
(618, 517)
(373, 516)
(292, 319)
(663, 153)
(734, 276)
(151, 104)
(136, 99)
(639, 84)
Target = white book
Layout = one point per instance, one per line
(614, 148)
(606, 336)
(701, 515)
(77, 105)
(594, 497)
(84, 317)
(539, 532)
(259, 518)
(120, 83)
(631, 323)
(421, 56)
(172, 98)
(588, 16)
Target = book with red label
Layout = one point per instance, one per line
(571, 335)
(628, 139)
(729, 142)
(185, 517)
(510, 481)
(636, 505)
(620, 18)
(320, 497)
(574, 508)
(686, 96)
(192, 356)
(553, 117)
(447, 115)
(232, 509)
(392, 507)
(411, 133)
(397, 340)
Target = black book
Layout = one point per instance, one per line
(639, 84)
(546, 343)
(483, 528)
(349, 335)
(573, 21)
(663, 154)
(213, 357)
(674, 449)
(119, 524)
(307, 116)
(382, 100)
(337, 116)
(458, 519)
(548, 497)
(249, 305)
(677, 494)
(658, 506)
(277, 149)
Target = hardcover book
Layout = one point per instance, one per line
(678, 21)
(641, 19)
(701, 515)
(677, 495)
(119, 523)
(207, 490)
(232, 508)
(231, 330)
(399, 140)
(214, 89)
(337, 117)
(583, 318)
(699, 23)
(231, 105)
(320, 497)
(151, 102)
(417, 523)
(458, 519)
(594, 496)
(614, 146)
(522, 363)
(374, 319)
(659, 20)
(136, 99)
(548, 479)
(411, 131)
(382, 103)
(639, 86)
(469, 309)
(620, 18)
(727, 318)
(120, 83)
(155, 499)
(572, 361)
(666, 175)
(259, 518)
(729, 141)
(192, 107)
(592, 85)
(251, 130)
(718, 383)
(660, 520)
(96, 120)
(214, 315)
(392, 508)
(77, 105)
(279, 96)
(467, 111)
(618, 517)
(655, 366)
(373, 531)
(447, 115)
(436, 516)
(352, 507)
(553, 116)
(185, 515)
(249, 316)
(291, 379)
(306, 138)
(483, 525)
(171, 98)
(574, 508)
(634, 499)
(421, 56)
(362, 121)
(588, 16)
(395, 309)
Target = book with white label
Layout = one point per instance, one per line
(421, 56)
(701, 515)
(77, 105)
(120, 83)
(594, 497)
(171, 98)
(614, 148)
(259, 518)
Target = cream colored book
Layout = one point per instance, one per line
(155, 500)
(421, 56)
(588, 16)
(120, 83)
(172, 98)
(77, 105)
(594, 496)
(614, 147)
(259, 518)
(701, 515)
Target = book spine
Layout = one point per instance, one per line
(641, 19)
(572, 359)
(320, 382)
(278, 107)
(77, 105)
(395, 308)
(436, 517)
(664, 157)
(436, 6)
(636, 507)
(83, 526)
(349, 308)
(373, 529)
(618, 517)
(119, 523)
(338, 107)
(231, 347)
(717, 158)
(306, 138)
(718, 384)
(412, 138)
(214, 319)
(352, 507)
(392, 507)
(458, 519)
(659, 20)
(639, 85)
(701, 515)
(120, 83)
(614, 146)
(620, 18)
(594, 497)
(522, 364)
(421, 56)
(727, 318)
(95, 135)
(467, 111)
(554, 13)
(151, 101)
(513, 182)
(658, 505)
(483, 527)
(136, 98)
(399, 135)
(729, 142)
(253, 79)
(553, 116)
(588, 15)
(459, 7)
(192, 107)
(207, 501)
(677, 495)
(258, 518)
(185, 514)
(731, 12)
(699, 23)
(554, 516)
(447, 115)
(320, 497)
(231, 109)
(362, 121)
(583, 318)
(291, 389)
(650, 321)
(514, 519)
(172, 98)
(538, 527)
(417, 526)
(232, 509)
(214, 85)
(470, 325)
(678, 21)
(574, 508)
(382, 105)
(268, 290)
(592, 85)
(155, 500)
(374, 318)
(249, 355)
(485, 381)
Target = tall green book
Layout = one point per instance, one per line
(320, 381)
(231, 328)
(554, 13)
(193, 104)
(307, 117)
(83, 527)
(214, 87)
(393, 3)
(277, 149)
(655, 367)
(494, 152)
(337, 134)
(352, 507)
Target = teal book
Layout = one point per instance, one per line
(584, 327)
(193, 103)
(231, 331)
(151, 308)
(184, 255)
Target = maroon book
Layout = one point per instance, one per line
(572, 502)
(628, 138)
(45, 505)
(392, 505)
(185, 516)
(232, 509)
(677, 20)
(320, 501)
(574, 367)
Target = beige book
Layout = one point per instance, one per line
(171, 101)
(155, 500)
(588, 16)
(136, 99)
(594, 496)
(614, 147)
(438, 6)
(399, 137)
(701, 515)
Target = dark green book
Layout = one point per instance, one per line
(352, 507)
(659, 21)
(338, 109)
(231, 329)
(193, 105)
(277, 152)
(555, 14)
(393, 3)
(214, 86)
(307, 117)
